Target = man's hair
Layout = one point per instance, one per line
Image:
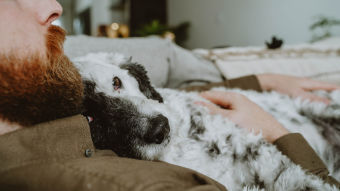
(38, 89)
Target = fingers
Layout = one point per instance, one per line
(218, 98)
(226, 99)
(214, 109)
(312, 85)
(313, 97)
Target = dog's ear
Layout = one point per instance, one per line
(89, 87)
(90, 96)
(140, 74)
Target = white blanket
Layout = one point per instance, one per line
(318, 61)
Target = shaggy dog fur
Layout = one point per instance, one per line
(123, 106)
(38, 88)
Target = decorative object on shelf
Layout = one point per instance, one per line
(182, 32)
(153, 28)
(177, 33)
(169, 35)
(276, 43)
(321, 28)
(115, 30)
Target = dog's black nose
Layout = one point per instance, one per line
(158, 130)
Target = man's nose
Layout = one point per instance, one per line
(48, 11)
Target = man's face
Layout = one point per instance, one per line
(38, 82)
(24, 24)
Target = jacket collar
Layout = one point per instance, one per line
(55, 140)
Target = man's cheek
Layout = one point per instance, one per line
(20, 34)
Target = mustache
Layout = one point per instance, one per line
(37, 89)
(54, 41)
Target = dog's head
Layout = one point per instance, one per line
(124, 110)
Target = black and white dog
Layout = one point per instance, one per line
(135, 120)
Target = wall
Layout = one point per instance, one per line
(66, 19)
(100, 12)
(81, 5)
(249, 22)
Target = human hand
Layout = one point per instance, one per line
(244, 113)
(295, 86)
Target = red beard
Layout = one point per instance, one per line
(36, 89)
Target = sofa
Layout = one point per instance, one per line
(171, 66)
(168, 65)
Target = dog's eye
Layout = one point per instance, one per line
(117, 83)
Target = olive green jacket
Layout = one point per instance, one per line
(59, 155)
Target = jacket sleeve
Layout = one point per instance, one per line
(104, 171)
(131, 174)
(295, 147)
(154, 176)
(246, 83)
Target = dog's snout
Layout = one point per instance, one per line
(159, 129)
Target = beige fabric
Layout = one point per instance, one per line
(319, 61)
(331, 77)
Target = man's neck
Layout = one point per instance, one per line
(6, 127)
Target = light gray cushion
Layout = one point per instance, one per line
(154, 53)
(189, 69)
(167, 64)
